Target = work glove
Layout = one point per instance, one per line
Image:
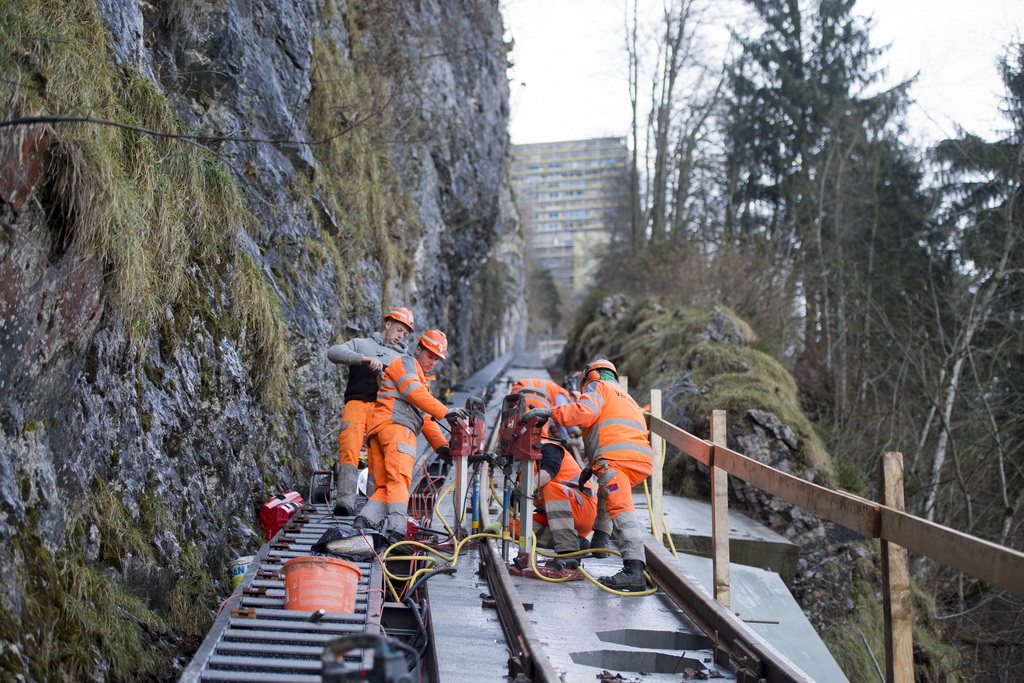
(575, 432)
(445, 453)
(542, 415)
(493, 528)
(457, 413)
(585, 475)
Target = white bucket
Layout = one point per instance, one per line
(238, 569)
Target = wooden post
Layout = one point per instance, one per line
(896, 608)
(658, 463)
(720, 514)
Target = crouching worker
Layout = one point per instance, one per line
(367, 358)
(404, 408)
(565, 514)
(616, 446)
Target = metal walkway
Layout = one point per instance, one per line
(256, 639)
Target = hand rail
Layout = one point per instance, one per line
(981, 559)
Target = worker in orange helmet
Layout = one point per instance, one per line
(366, 357)
(404, 408)
(616, 446)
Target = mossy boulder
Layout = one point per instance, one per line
(703, 360)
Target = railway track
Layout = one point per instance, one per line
(254, 638)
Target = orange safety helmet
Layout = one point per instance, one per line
(593, 371)
(435, 342)
(402, 315)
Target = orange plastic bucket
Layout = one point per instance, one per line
(312, 582)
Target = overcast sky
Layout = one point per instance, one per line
(569, 75)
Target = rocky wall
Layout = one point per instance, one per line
(176, 427)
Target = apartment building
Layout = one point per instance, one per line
(572, 195)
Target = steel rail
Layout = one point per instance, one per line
(734, 644)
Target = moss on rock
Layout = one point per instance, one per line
(656, 344)
(157, 212)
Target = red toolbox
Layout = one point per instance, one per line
(278, 510)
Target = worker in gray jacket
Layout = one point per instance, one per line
(366, 358)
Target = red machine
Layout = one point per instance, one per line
(278, 510)
(469, 436)
(520, 440)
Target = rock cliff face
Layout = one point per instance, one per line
(366, 142)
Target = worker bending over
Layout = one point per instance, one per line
(404, 408)
(366, 358)
(566, 511)
(551, 393)
(565, 515)
(617, 450)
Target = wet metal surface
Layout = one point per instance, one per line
(750, 543)
(769, 610)
(586, 630)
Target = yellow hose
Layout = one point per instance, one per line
(452, 561)
(671, 543)
(580, 570)
(647, 495)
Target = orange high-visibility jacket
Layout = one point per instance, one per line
(568, 471)
(613, 426)
(403, 399)
(542, 388)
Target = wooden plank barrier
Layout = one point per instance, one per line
(720, 515)
(658, 449)
(982, 559)
(896, 609)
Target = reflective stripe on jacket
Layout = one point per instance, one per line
(569, 472)
(613, 425)
(542, 388)
(404, 398)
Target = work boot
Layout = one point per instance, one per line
(600, 539)
(631, 578)
(560, 564)
(363, 523)
(346, 479)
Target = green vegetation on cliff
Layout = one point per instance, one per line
(163, 216)
(364, 210)
(167, 221)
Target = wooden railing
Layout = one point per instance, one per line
(887, 521)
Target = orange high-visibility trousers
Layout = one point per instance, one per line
(616, 491)
(355, 418)
(391, 459)
(584, 508)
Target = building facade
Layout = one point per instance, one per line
(571, 195)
